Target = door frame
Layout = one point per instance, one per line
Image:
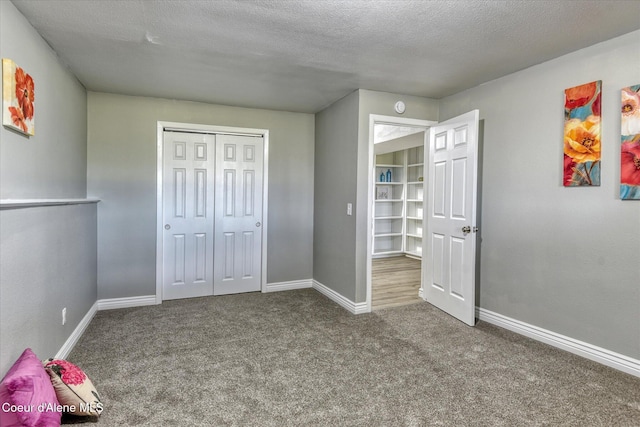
(210, 129)
(375, 119)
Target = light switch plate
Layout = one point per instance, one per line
(349, 208)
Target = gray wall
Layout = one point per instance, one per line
(564, 259)
(48, 262)
(53, 163)
(342, 162)
(47, 254)
(122, 173)
(334, 233)
(381, 103)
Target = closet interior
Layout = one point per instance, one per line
(398, 204)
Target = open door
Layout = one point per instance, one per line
(449, 276)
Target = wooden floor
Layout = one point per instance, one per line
(395, 281)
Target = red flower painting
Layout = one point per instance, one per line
(18, 118)
(24, 92)
(580, 96)
(630, 164)
(630, 143)
(18, 98)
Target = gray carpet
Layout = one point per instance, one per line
(296, 358)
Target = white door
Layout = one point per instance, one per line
(238, 237)
(449, 274)
(188, 215)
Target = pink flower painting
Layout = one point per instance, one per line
(18, 98)
(630, 143)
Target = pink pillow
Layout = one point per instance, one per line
(27, 397)
(74, 389)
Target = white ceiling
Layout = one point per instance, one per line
(302, 55)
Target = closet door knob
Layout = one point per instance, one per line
(167, 227)
(258, 224)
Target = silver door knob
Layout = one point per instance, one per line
(258, 224)
(466, 229)
(167, 227)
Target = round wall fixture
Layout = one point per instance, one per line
(399, 107)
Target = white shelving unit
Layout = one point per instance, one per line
(398, 211)
(415, 201)
(389, 204)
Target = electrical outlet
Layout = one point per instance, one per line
(64, 315)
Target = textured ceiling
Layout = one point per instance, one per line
(302, 55)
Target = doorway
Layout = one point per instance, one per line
(396, 205)
(211, 210)
(449, 207)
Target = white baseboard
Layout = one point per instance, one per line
(586, 350)
(77, 333)
(102, 304)
(288, 286)
(353, 307)
(113, 303)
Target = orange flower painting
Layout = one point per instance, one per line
(630, 139)
(18, 98)
(582, 135)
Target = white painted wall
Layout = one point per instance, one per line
(563, 259)
(47, 254)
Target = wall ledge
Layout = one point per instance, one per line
(31, 203)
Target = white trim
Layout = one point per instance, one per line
(581, 348)
(346, 303)
(77, 333)
(159, 209)
(192, 127)
(388, 120)
(265, 204)
(113, 303)
(288, 286)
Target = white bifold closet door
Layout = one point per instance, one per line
(212, 214)
(238, 214)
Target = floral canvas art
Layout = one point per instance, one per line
(18, 98)
(582, 135)
(630, 148)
